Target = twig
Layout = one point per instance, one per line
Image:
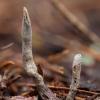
(82, 48)
(76, 98)
(30, 93)
(7, 63)
(5, 54)
(5, 82)
(46, 64)
(77, 24)
(11, 81)
(14, 88)
(58, 55)
(7, 46)
(3, 97)
(76, 68)
(28, 63)
(56, 88)
(94, 96)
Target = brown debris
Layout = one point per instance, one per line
(6, 64)
(55, 90)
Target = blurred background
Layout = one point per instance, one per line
(55, 38)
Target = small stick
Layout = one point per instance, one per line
(30, 92)
(28, 63)
(56, 56)
(94, 97)
(76, 68)
(11, 81)
(3, 97)
(46, 64)
(6, 64)
(77, 24)
(56, 88)
(7, 46)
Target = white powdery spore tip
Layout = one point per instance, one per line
(78, 58)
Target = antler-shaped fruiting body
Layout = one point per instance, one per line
(28, 63)
(76, 70)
